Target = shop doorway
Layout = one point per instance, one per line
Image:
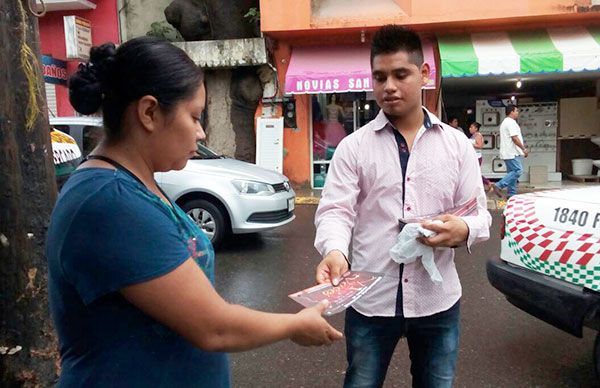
(335, 116)
(553, 123)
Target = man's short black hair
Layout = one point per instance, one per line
(392, 38)
(510, 108)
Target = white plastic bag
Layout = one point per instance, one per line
(408, 249)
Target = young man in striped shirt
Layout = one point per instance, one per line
(404, 164)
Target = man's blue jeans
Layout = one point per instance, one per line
(514, 169)
(432, 342)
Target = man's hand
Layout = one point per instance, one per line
(526, 152)
(332, 267)
(452, 232)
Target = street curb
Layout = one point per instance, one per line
(307, 200)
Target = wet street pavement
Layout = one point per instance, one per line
(501, 346)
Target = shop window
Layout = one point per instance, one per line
(334, 117)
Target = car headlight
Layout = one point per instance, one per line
(250, 187)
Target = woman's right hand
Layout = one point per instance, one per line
(311, 329)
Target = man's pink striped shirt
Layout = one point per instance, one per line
(362, 202)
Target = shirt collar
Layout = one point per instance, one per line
(429, 121)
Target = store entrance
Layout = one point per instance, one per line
(558, 117)
(335, 116)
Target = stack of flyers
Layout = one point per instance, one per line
(466, 209)
(353, 285)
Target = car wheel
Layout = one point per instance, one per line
(210, 218)
(597, 356)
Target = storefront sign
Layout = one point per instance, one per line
(55, 71)
(339, 69)
(332, 85)
(78, 37)
(324, 69)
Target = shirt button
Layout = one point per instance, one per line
(408, 179)
(408, 208)
(405, 280)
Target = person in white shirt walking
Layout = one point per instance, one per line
(512, 150)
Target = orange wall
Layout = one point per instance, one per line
(296, 164)
(286, 15)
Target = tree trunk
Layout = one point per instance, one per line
(232, 94)
(246, 91)
(28, 347)
(227, 18)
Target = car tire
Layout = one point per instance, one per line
(210, 218)
(597, 356)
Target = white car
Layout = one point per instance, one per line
(220, 194)
(549, 264)
(224, 195)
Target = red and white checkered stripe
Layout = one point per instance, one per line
(544, 243)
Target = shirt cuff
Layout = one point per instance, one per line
(472, 235)
(336, 245)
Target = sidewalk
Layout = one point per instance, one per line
(307, 196)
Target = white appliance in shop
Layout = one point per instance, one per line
(269, 143)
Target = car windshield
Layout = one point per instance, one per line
(204, 152)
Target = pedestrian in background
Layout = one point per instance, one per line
(130, 274)
(403, 164)
(512, 151)
(477, 141)
(453, 122)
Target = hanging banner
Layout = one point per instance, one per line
(78, 37)
(55, 70)
(339, 69)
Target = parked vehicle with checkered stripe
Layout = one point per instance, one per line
(549, 264)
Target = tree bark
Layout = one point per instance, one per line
(28, 192)
(227, 19)
(246, 91)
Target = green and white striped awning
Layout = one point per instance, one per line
(540, 51)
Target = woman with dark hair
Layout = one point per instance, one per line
(130, 275)
(477, 141)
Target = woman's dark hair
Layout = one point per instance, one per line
(476, 125)
(115, 77)
(392, 38)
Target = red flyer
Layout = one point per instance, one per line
(353, 285)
